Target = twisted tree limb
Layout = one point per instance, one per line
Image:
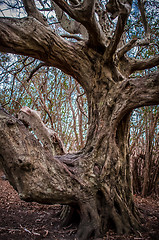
(32, 10)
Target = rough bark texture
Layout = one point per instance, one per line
(96, 180)
(48, 138)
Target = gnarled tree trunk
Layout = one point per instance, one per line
(95, 180)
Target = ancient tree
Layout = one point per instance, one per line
(96, 180)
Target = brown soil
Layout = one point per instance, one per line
(21, 221)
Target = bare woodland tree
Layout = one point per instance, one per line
(144, 150)
(96, 180)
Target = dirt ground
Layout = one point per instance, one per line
(21, 221)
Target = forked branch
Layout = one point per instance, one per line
(144, 64)
(29, 37)
(131, 44)
(122, 9)
(127, 47)
(85, 14)
(32, 10)
(78, 12)
(137, 65)
(134, 93)
(127, 66)
(69, 25)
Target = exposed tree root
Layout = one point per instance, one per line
(90, 220)
(99, 214)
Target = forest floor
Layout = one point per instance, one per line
(31, 221)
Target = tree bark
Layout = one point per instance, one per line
(95, 180)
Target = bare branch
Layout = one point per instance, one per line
(136, 92)
(117, 35)
(11, 94)
(81, 107)
(25, 86)
(126, 48)
(31, 10)
(74, 121)
(123, 10)
(131, 44)
(144, 64)
(29, 37)
(65, 7)
(146, 90)
(67, 24)
(118, 7)
(129, 65)
(34, 70)
(85, 14)
(144, 20)
(140, 42)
